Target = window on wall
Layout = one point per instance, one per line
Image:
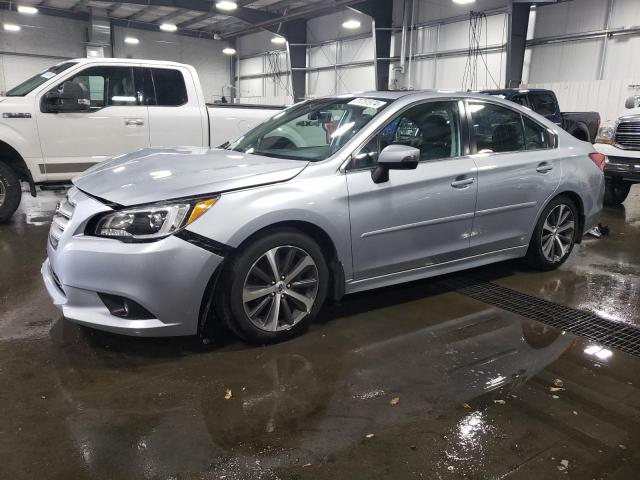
(107, 86)
(496, 128)
(432, 127)
(170, 88)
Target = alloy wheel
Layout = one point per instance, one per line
(558, 233)
(280, 288)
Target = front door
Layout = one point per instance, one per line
(117, 123)
(518, 170)
(419, 217)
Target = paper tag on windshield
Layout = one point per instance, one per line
(47, 75)
(367, 102)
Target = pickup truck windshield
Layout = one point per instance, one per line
(311, 131)
(37, 80)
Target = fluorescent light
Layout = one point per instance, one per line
(226, 5)
(463, 2)
(10, 27)
(351, 24)
(229, 51)
(131, 40)
(168, 27)
(278, 40)
(27, 9)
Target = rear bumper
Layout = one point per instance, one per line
(168, 278)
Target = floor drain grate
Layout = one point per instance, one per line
(606, 332)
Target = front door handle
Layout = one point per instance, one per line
(544, 167)
(462, 182)
(134, 122)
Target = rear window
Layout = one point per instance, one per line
(169, 86)
(542, 103)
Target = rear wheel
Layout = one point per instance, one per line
(554, 235)
(616, 192)
(274, 287)
(10, 192)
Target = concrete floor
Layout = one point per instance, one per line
(472, 383)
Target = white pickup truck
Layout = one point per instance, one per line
(620, 142)
(80, 112)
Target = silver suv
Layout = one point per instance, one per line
(329, 197)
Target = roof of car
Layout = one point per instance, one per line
(125, 60)
(503, 91)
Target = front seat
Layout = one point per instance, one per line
(505, 138)
(436, 138)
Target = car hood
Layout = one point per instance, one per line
(156, 174)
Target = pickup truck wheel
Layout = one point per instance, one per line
(554, 235)
(10, 192)
(615, 192)
(275, 286)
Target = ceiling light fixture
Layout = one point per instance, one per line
(278, 40)
(226, 5)
(28, 9)
(351, 24)
(229, 51)
(131, 40)
(168, 27)
(463, 2)
(10, 27)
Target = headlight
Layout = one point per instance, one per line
(151, 222)
(606, 133)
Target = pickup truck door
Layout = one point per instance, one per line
(177, 113)
(117, 123)
(518, 170)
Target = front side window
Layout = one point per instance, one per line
(496, 128)
(542, 103)
(311, 131)
(34, 82)
(432, 127)
(107, 86)
(169, 86)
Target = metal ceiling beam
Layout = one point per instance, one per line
(382, 15)
(516, 43)
(194, 20)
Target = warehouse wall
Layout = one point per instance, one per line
(585, 74)
(42, 42)
(45, 40)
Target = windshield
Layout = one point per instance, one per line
(37, 80)
(311, 131)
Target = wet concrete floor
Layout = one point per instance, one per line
(405, 382)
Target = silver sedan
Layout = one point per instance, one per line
(329, 197)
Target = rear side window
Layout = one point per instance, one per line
(536, 136)
(169, 86)
(542, 103)
(496, 128)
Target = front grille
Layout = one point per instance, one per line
(61, 218)
(628, 134)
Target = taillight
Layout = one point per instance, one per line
(599, 159)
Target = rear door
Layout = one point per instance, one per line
(518, 170)
(177, 116)
(116, 123)
(419, 217)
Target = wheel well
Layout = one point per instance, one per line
(14, 160)
(581, 134)
(578, 202)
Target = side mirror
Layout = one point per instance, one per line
(74, 97)
(395, 157)
(632, 102)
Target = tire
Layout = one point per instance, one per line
(249, 274)
(562, 231)
(615, 192)
(10, 192)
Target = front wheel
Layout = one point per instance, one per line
(274, 287)
(615, 192)
(554, 235)
(10, 192)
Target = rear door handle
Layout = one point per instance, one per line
(133, 122)
(462, 182)
(544, 167)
